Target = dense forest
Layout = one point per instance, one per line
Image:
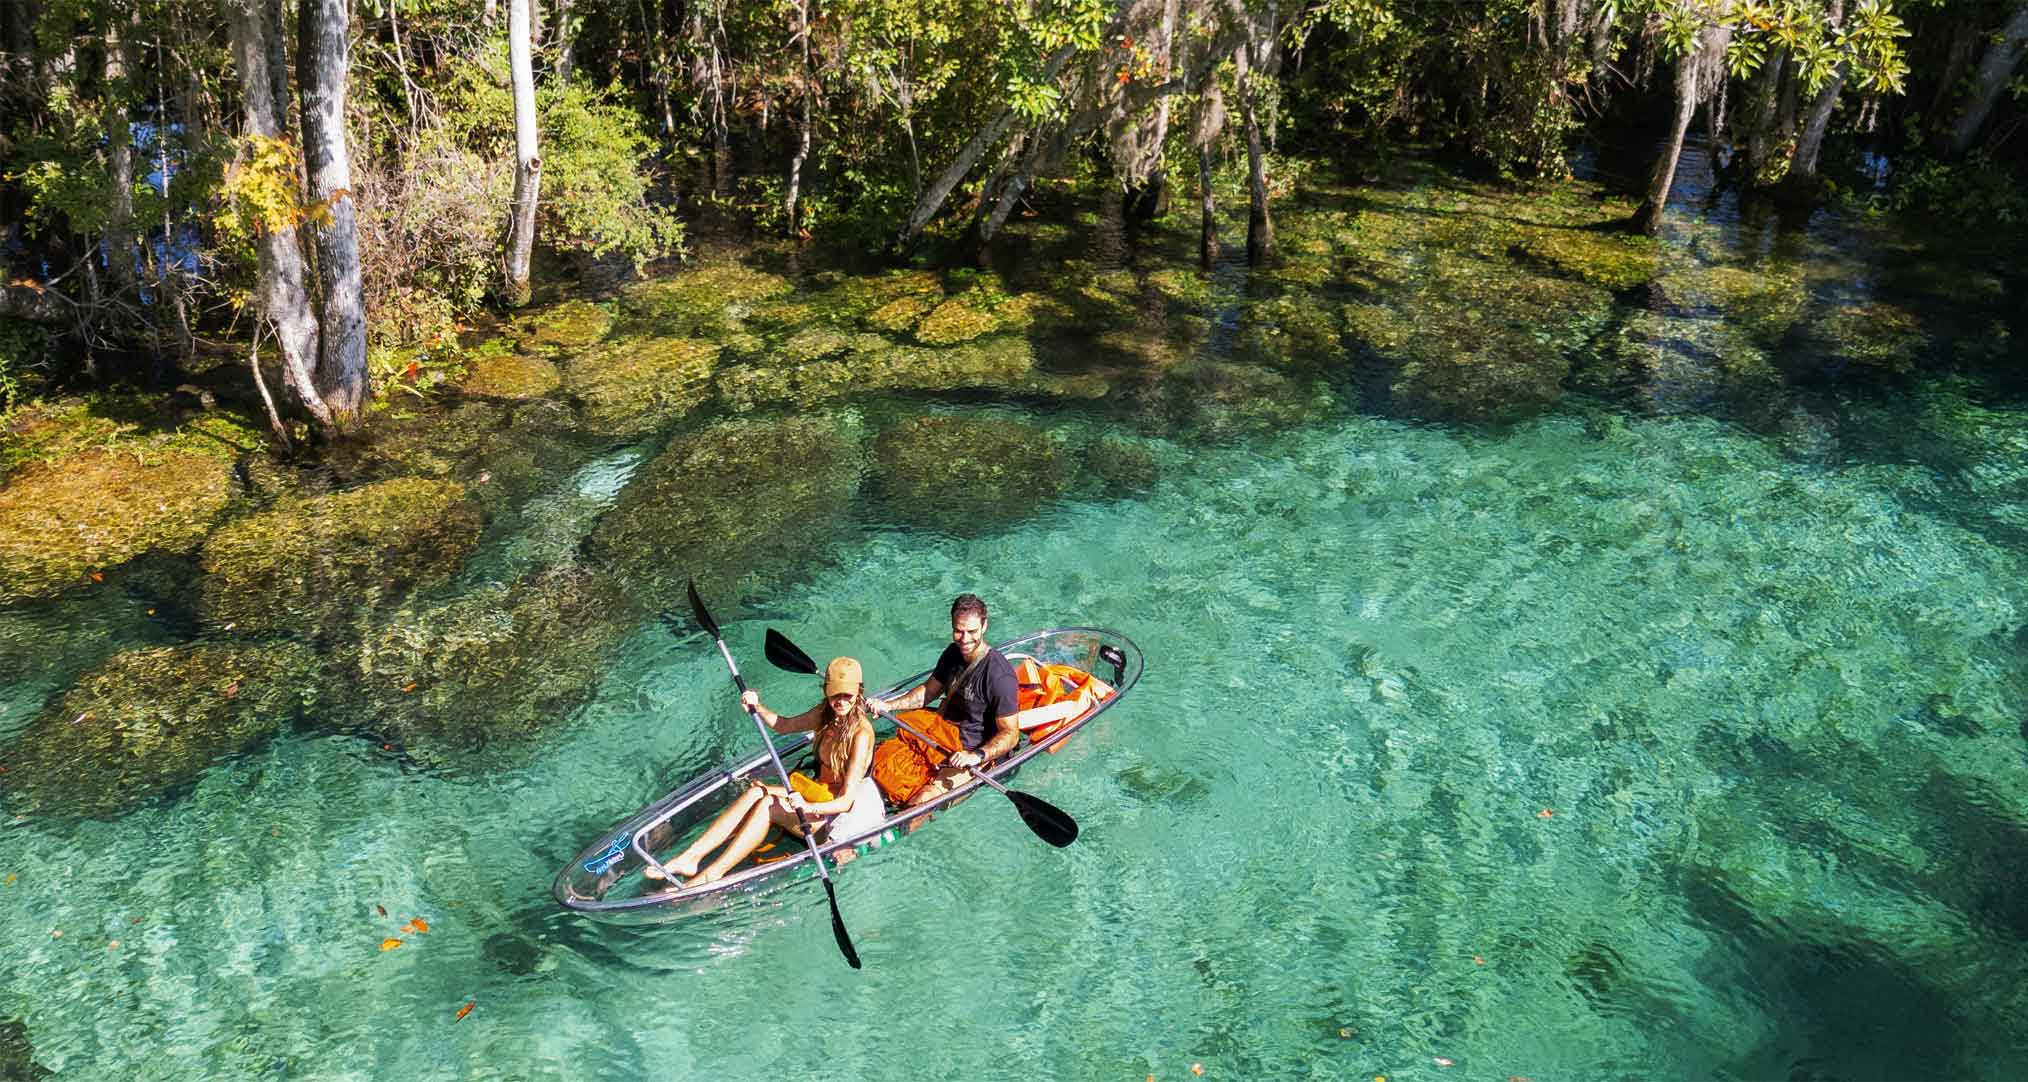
(331, 183)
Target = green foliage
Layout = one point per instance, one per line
(1974, 191)
(22, 346)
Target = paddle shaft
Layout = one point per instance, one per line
(809, 836)
(935, 743)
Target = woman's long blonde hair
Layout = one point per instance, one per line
(834, 756)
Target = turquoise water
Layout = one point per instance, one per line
(1595, 748)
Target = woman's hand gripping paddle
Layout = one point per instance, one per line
(831, 892)
(1048, 821)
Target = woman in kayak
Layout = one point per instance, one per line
(844, 743)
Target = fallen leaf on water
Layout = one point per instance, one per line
(408, 688)
(1478, 961)
(1197, 1069)
(1442, 1062)
(113, 945)
(96, 577)
(10, 879)
(56, 933)
(1345, 1032)
(1519, 1078)
(389, 943)
(1545, 814)
(380, 909)
(465, 1010)
(418, 926)
(151, 612)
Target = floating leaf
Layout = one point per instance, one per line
(1197, 1069)
(96, 577)
(1478, 961)
(380, 909)
(10, 878)
(465, 1010)
(1345, 1032)
(389, 943)
(1442, 1062)
(417, 925)
(1545, 814)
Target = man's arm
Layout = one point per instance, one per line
(916, 699)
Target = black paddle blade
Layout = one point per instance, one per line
(783, 654)
(703, 614)
(1047, 820)
(838, 925)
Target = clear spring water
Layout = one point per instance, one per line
(1579, 751)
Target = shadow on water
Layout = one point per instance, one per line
(1834, 1010)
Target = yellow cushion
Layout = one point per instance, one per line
(814, 791)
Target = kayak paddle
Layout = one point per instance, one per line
(831, 892)
(1049, 822)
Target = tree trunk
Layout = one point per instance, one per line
(119, 125)
(1995, 68)
(1803, 170)
(1648, 219)
(1260, 224)
(803, 137)
(1957, 60)
(707, 75)
(933, 197)
(1763, 100)
(527, 158)
(324, 57)
(1802, 177)
(561, 40)
(255, 27)
(1207, 234)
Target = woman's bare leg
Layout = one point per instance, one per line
(751, 830)
(721, 828)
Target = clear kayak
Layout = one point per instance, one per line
(607, 881)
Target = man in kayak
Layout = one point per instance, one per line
(979, 697)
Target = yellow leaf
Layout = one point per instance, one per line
(389, 943)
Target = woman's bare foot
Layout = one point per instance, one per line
(708, 875)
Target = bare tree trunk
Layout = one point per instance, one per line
(707, 74)
(1803, 169)
(1957, 60)
(1648, 219)
(562, 41)
(324, 57)
(1260, 224)
(1995, 68)
(527, 159)
(1762, 136)
(933, 198)
(119, 125)
(1210, 122)
(803, 138)
(255, 27)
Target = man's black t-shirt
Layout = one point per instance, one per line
(990, 692)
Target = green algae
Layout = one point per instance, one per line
(1614, 260)
(566, 328)
(147, 720)
(1001, 361)
(966, 475)
(901, 314)
(495, 668)
(633, 387)
(709, 301)
(954, 321)
(512, 376)
(1764, 300)
(64, 521)
(317, 565)
(1121, 466)
(733, 505)
(1877, 334)
(1292, 332)
(818, 342)
(1220, 400)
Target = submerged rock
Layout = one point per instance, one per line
(710, 300)
(967, 475)
(1004, 362)
(147, 720)
(62, 521)
(317, 565)
(1876, 335)
(954, 321)
(635, 387)
(731, 505)
(494, 668)
(1764, 300)
(1217, 400)
(512, 375)
(566, 328)
(17, 1062)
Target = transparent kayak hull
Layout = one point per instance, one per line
(605, 881)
